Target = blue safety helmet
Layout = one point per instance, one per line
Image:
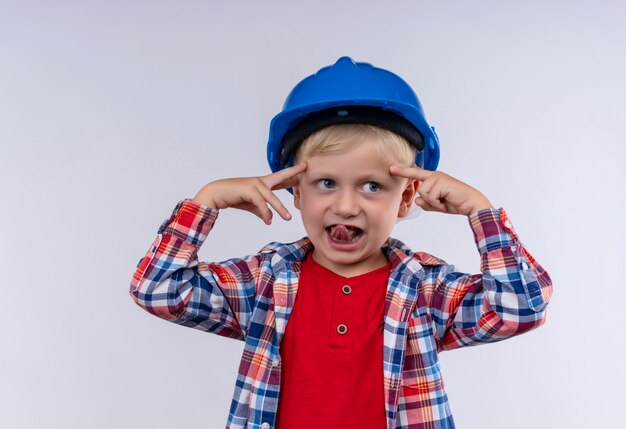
(349, 92)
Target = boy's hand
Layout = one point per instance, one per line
(251, 193)
(441, 192)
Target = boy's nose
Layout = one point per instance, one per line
(346, 204)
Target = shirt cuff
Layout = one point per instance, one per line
(492, 229)
(190, 221)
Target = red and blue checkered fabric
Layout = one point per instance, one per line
(429, 308)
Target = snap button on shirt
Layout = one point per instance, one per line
(346, 289)
(265, 425)
(331, 355)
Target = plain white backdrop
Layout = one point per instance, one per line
(111, 112)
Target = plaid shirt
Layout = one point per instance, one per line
(429, 308)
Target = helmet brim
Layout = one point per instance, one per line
(283, 121)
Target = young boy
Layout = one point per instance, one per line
(342, 328)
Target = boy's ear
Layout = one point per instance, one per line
(296, 196)
(408, 195)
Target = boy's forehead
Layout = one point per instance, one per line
(348, 157)
(348, 164)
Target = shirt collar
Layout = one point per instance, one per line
(401, 257)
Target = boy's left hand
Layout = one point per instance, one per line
(441, 192)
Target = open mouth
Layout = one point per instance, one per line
(344, 234)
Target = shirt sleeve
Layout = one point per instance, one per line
(172, 284)
(507, 298)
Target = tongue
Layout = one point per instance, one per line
(342, 233)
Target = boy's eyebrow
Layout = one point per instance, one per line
(360, 177)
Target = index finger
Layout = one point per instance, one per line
(413, 172)
(284, 178)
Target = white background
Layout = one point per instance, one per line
(112, 111)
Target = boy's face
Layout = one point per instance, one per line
(349, 204)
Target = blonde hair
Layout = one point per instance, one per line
(337, 138)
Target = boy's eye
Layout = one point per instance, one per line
(371, 187)
(326, 183)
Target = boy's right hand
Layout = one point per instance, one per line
(251, 193)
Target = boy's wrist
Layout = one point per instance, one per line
(203, 197)
(482, 204)
(205, 202)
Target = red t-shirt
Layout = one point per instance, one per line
(332, 352)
